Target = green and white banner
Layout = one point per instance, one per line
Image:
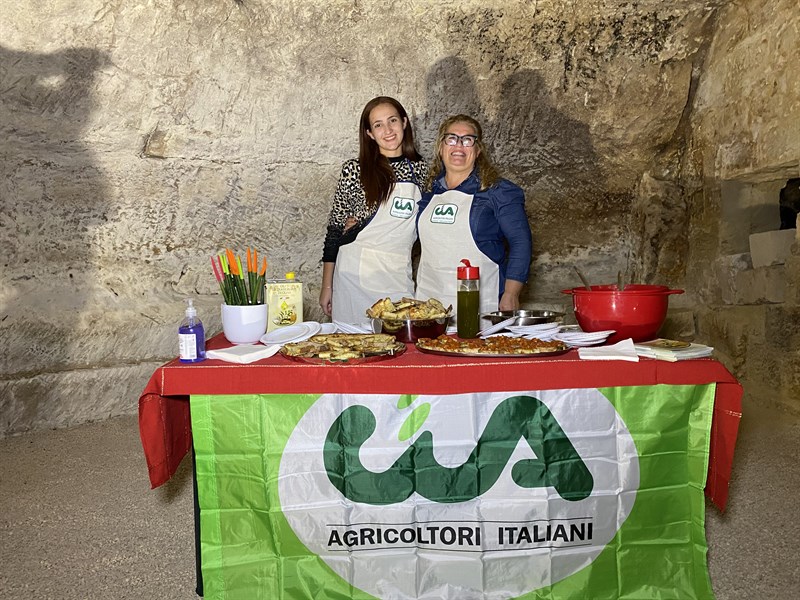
(549, 494)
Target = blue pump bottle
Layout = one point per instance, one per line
(191, 336)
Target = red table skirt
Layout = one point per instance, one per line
(165, 426)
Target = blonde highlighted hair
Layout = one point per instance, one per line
(487, 172)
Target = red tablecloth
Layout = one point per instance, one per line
(165, 427)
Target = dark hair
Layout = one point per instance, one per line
(377, 175)
(487, 172)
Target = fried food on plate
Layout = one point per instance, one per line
(344, 346)
(408, 308)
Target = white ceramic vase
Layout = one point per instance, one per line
(244, 324)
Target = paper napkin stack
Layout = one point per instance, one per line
(623, 350)
(244, 354)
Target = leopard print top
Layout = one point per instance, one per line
(350, 201)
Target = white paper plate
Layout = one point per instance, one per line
(327, 328)
(496, 327)
(536, 327)
(582, 344)
(578, 339)
(572, 340)
(537, 334)
(587, 334)
(314, 327)
(292, 333)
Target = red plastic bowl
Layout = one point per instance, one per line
(636, 312)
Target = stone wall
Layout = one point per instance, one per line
(142, 137)
(744, 146)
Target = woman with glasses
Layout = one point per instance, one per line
(372, 224)
(471, 212)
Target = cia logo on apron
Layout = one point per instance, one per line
(377, 263)
(444, 213)
(402, 208)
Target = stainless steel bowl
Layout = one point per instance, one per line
(525, 317)
(410, 330)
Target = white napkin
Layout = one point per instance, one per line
(244, 353)
(623, 350)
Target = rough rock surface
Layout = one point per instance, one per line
(140, 138)
(743, 146)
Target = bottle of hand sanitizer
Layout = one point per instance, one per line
(191, 336)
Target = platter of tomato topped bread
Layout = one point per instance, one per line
(496, 346)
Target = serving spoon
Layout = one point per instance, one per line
(583, 278)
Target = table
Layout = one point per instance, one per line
(165, 424)
(261, 388)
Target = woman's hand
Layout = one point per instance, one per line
(326, 300)
(351, 222)
(326, 291)
(510, 298)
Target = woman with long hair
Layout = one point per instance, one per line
(471, 212)
(372, 224)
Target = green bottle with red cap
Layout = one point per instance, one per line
(468, 300)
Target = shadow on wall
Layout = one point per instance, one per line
(545, 147)
(451, 90)
(53, 197)
(548, 154)
(530, 139)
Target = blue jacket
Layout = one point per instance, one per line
(497, 219)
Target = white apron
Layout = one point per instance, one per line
(446, 238)
(377, 264)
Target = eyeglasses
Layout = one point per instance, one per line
(451, 139)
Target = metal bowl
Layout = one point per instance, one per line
(525, 317)
(410, 330)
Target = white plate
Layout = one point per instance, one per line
(573, 340)
(578, 339)
(583, 342)
(292, 333)
(496, 327)
(545, 337)
(536, 326)
(327, 328)
(314, 329)
(533, 329)
(503, 334)
(583, 335)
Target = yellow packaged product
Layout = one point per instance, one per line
(284, 302)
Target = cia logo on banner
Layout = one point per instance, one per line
(494, 497)
(402, 208)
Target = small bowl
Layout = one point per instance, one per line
(410, 330)
(524, 317)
